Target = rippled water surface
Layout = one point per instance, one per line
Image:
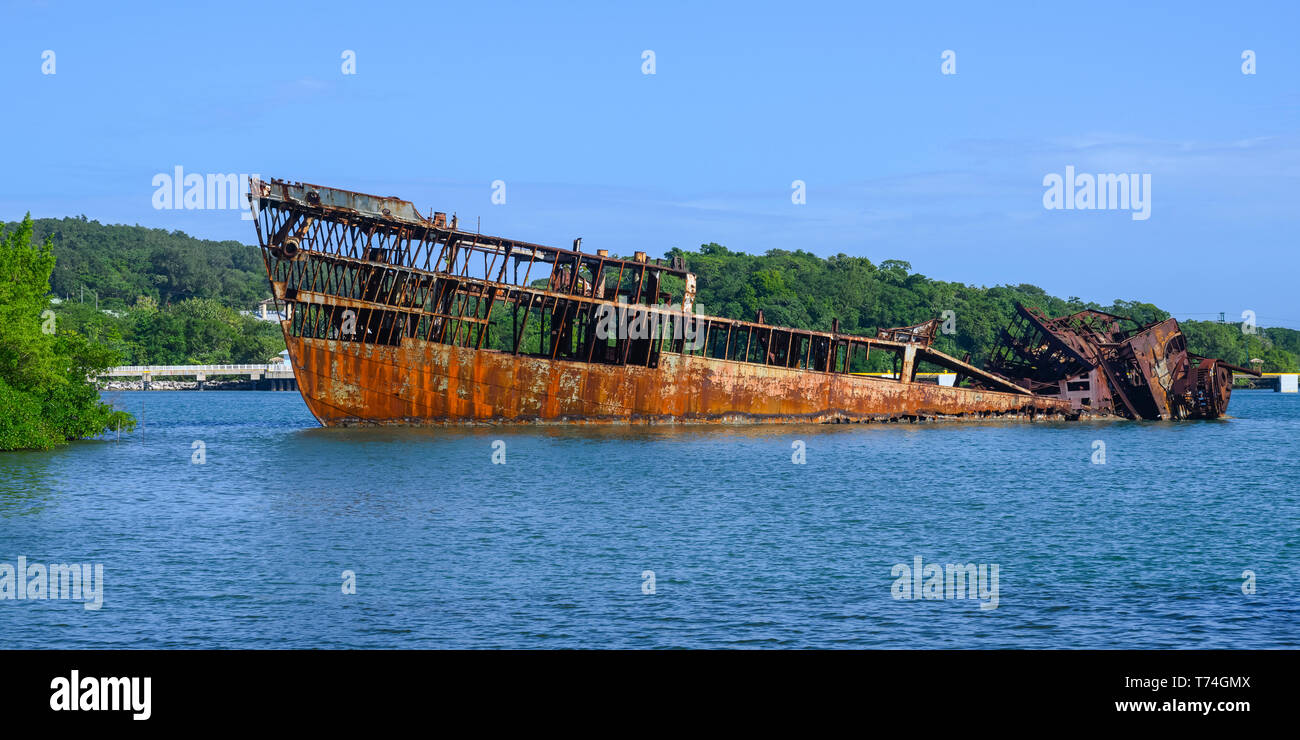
(747, 548)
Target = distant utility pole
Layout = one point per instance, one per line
(83, 296)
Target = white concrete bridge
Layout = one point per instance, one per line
(1282, 382)
(272, 375)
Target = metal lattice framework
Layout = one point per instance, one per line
(362, 268)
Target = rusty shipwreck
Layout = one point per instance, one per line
(393, 317)
(1112, 365)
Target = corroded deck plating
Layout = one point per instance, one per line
(391, 321)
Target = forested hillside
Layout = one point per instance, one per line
(803, 290)
(163, 297)
(122, 263)
(176, 299)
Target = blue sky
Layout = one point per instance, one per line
(899, 160)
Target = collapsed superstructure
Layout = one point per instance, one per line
(1107, 364)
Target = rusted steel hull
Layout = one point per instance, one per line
(420, 382)
(395, 318)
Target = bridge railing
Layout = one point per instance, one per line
(270, 367)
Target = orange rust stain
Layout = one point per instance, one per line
(424, 382)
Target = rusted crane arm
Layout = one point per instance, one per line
(1230, 366)
(949, 362)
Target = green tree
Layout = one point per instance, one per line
(46, 397)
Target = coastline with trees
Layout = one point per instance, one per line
(78, 296)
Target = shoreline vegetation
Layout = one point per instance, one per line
(46, 398)
(130, 295)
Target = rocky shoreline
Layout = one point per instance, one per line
(184, 385)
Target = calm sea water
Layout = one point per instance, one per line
(747, 548)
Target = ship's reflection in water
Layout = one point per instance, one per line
(660, 432)
(541, 536)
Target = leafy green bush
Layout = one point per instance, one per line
(21, 425)
(46, 397)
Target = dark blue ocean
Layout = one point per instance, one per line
(747, 549)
